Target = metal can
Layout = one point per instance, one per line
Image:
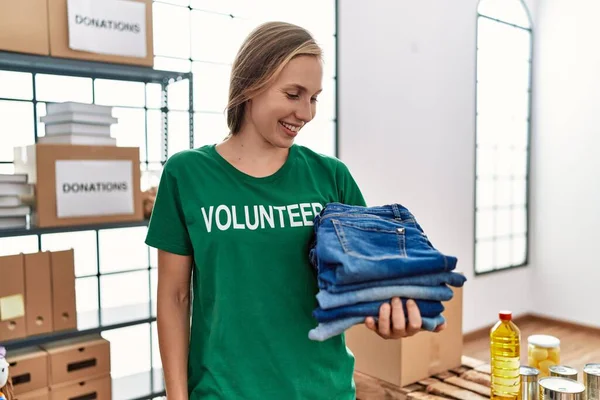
(558, 388)
(529, 383)
(563, 371)
(591, 381)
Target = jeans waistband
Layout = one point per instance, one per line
(395, 211)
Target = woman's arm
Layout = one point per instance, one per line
(173, 320)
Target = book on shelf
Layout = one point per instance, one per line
(13, 178)
(75, 107)
(87, 140)
(76, 117)
(77, 129)
(16, 211)
(10, 201)
(15, 189)
(13, 222)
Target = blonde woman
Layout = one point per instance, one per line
(234, 221)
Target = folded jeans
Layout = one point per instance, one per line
(331, 300)
(359, 244)
(328, 330)
(427, 309)
(442, 278)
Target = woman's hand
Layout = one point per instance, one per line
(392, 321)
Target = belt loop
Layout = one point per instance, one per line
(396, 210)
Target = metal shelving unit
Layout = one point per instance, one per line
(35, 64)
(148, 385)
(33, 230)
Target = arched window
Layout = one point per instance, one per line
(504, 52)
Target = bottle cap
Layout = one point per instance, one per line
(545, 341)
(505, 315)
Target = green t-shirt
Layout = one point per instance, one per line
(253, 286)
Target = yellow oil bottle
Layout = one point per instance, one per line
(505, 351)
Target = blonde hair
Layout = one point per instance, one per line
(260, 60)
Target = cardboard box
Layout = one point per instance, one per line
(64, 308)
(92, 388)
(406, 361)
(39, 162)
(28, 369)
(38, 293)
(59, 38)
(41, 394)
(12, 298)
(24, 26)
(75, 360)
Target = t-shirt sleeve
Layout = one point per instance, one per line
(167, 228)
(349, 191)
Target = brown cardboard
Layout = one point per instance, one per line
(28, 369)
(59, 38)
(77, 359)
(62, 265)
(406, 361)
(24, 26)
(12, 290)
(38, 161)
(38, 294)
(92, 388)
(41, 394)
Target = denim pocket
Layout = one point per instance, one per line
(371, 240)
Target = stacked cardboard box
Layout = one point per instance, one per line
(41, 27)
(24, 26)
(29, 373)
(404, 362)
(41, 163)
(68, 369)
(37, 295)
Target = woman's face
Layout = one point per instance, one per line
(279, 113)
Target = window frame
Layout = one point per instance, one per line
(525, 262)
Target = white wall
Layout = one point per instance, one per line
(566, 162)
(407, 128)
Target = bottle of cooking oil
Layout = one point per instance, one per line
(505, 351)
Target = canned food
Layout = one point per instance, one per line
(543, 351)
(591, 381)
(557, 388)
(563, 371)
(529, 383)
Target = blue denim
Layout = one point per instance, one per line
(360, 244)
(327, 330)
(427, 308)
(443, 278)
(331, 300)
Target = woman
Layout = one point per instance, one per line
(234, 220)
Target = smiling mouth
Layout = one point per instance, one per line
(292, 128)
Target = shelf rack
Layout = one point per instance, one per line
(36, 64)
(143, 386)
(147, 385)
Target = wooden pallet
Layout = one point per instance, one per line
(470, 381)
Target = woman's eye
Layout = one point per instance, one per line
(314, 100)
(293, 96)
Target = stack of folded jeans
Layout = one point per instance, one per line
(365, 256)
